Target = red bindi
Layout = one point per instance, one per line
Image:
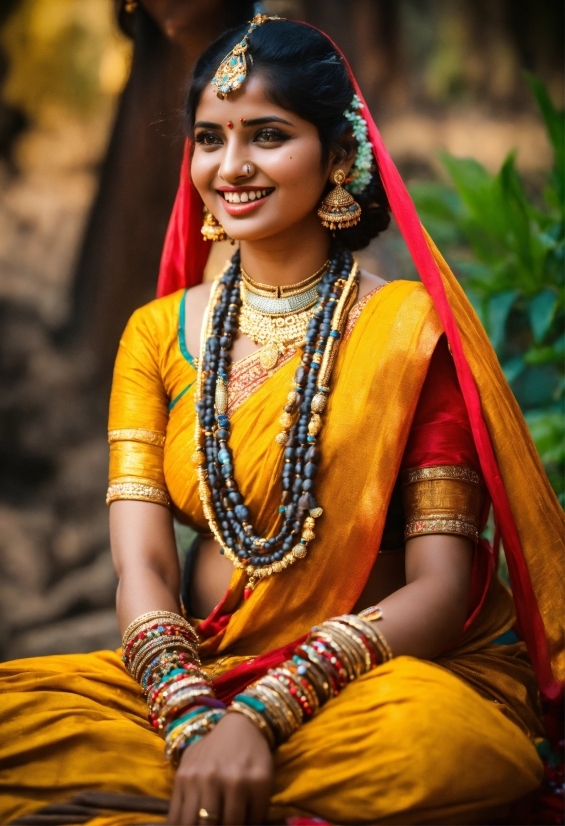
(229, 124)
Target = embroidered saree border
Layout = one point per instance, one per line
(357, 309)
(139, 491)
(442, 499)
(135, 434)
(248, 374)
(460, 472)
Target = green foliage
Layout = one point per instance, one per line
(507, 247)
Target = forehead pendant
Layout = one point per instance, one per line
(232, 71)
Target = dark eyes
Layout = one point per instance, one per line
(271, 135)
(266, 135)
(208, 139)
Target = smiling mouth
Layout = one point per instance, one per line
(247, 196)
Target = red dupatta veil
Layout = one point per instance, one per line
(182, 265)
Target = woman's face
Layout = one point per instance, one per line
(257, 166)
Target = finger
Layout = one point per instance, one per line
(235, 804)
(184, 806)
(174, 815)
(206, 809)
(259, 800)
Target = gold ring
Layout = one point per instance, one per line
(205, 815)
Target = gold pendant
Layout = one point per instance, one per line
(269, 355)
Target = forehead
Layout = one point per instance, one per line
(249, 101)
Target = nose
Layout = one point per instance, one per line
(235, 165)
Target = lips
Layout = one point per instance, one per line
(242, 201)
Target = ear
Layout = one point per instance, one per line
(342, 157)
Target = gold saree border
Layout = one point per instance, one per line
(136, 434)
(248, 374)
(456, 472)
(139, 491)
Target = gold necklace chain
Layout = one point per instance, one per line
(284, 291)
(277, 334)
(277, 317)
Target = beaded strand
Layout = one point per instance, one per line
(225, 511)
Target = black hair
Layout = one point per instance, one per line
(304, 74)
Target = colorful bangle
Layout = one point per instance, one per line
(160, 650)
(336, 652)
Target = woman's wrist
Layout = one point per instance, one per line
(160, 650)
(335, 653)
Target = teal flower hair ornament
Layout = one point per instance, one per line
(361, 172)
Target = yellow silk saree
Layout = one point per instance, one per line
(412, 741)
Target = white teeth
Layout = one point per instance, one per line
(244, 197)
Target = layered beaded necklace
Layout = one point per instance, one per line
(228, 516)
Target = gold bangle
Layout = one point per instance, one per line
(363, 655)
(289, 723)
(146, 655)
(257, 720)
(343, 653)
(286, 697)
(372, 614)
(155, 616)
(180, 701)
(385, 647)
(155, 642)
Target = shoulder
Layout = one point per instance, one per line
(401, 292)
(159, 315)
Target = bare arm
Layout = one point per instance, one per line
(421, 618)
(145, 559)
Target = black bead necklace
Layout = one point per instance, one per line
(223, 504)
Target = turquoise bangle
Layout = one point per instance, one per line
(185, 717)
(252, 702)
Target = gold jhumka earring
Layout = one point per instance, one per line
(339, 210)
(211, 229)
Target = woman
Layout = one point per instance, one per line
(322, 431)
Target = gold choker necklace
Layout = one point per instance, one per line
(277, 317)
(286, 291)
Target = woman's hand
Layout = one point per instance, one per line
(228, 773)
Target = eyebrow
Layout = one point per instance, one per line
(204, 124)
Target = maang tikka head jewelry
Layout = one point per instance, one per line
(232, 71)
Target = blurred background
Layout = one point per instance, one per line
(468, 95)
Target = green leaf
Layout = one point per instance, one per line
(548, 432)
(541, 309)
(499, 307)
(436, 199)
(553, 119)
